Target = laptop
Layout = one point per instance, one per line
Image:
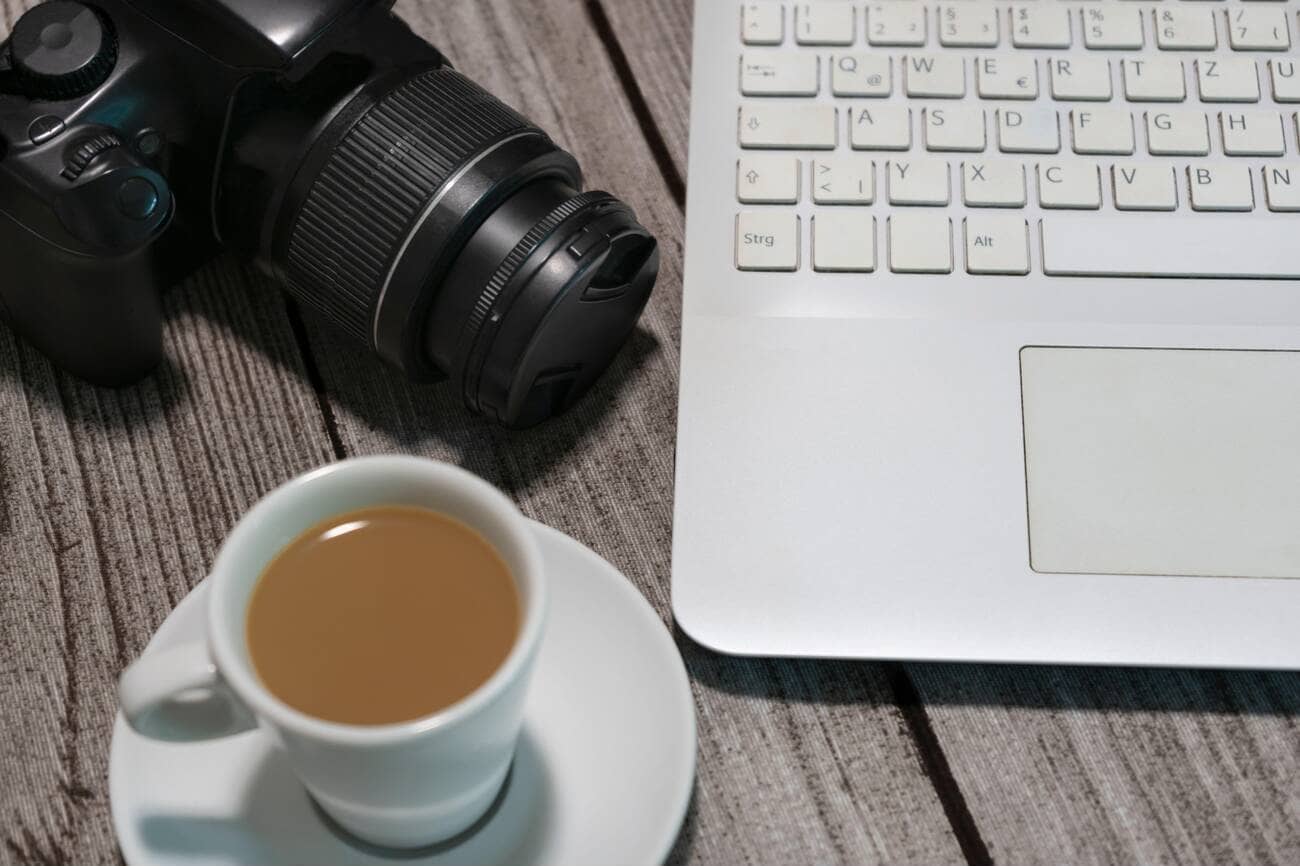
(991, 340)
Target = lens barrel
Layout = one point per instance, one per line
(447, 232)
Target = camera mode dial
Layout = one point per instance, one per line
(62, 50)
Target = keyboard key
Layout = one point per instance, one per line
(1072, 184)
(796, 126)
(1286, 83)
(1112, 27)
(1008, 76)
(762, 23)
(1155, 79)
(894, 23)
(884, 127)
(993, 183)
(1141, 245)
(941, 76)
(1185, 28)
(1144, 187)
(824, 23)
(1221, 187)
(1177, 133)
(920, 243)
(1040, 25)
(767, 179)
(861, 75)
(1102, 130)
(779, 73)
(1255, 28)
(1228, 79)
(767, 241)
(1079, 77)
(1282, 187)
(844, 240)
(918, 182)
(1252, 133)
(843, 180)
(1028, 130)
(969, 25)
(957, 128)
(997, 244)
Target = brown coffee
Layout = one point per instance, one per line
(382, 615)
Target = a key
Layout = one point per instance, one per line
(843, 180)
(767, 179)
(861, 75)
(767, 241)
(918, 182)
(1144, 187)
(779, 73)
(762, 23)
(1286, 81)
(1252, 133)
(992, 183)
(1112, 27)
(1080, 78)
(1227, 79)
(1040, 25)
(824, 23)
(920, 243)
(1156, 79)
(1177, 133)
(1102, 130)
(1222, 186)
(1007, 76)
(941, 76)
(1028, 130)
(1254, 28)
(1282, 187)
(969, 25)
(844, 240)
(1143, 245)
(997, 244)
(794, 126)
(883, 127)
(1069, 185)
(1185, 28)
(957, 128)
(894, 23)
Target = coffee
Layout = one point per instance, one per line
(382, 615)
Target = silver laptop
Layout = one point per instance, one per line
(992, 332)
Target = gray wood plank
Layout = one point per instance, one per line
(1071, 765)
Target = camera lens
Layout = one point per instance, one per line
(442, 228)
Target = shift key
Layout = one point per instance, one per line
(788, 126)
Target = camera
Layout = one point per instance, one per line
(342, 154)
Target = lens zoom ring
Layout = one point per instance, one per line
(382, 174)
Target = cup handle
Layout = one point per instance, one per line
(159, 678)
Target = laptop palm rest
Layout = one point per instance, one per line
(1162, 461)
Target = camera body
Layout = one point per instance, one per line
(326, 142)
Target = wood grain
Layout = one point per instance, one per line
(1070, 765)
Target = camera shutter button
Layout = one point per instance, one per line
(137, 198)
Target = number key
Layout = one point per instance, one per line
(895, 23)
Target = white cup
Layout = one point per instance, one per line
(403, 785)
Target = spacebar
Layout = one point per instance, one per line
(1118, 245)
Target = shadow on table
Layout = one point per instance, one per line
(1265, 693)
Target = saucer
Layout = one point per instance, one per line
(603, 772)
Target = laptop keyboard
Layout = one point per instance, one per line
(1113, 139)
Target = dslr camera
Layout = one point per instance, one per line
(330, 145)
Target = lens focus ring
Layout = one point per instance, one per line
(377, 184)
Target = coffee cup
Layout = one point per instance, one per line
(406, 784)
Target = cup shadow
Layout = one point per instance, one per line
(278, 822)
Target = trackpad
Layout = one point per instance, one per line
(1162, 461)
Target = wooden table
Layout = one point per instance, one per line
(112, 504)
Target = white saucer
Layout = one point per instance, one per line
(603, 773)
